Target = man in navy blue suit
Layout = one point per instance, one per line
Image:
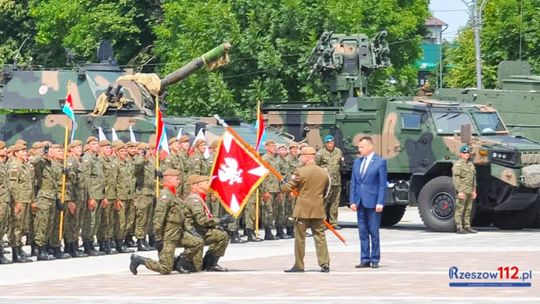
(366, 196)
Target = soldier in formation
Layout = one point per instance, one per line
(464, 177)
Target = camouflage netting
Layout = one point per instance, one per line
(531, 176)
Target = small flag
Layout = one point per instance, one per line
(259, 124)
(114, 136)
(132, 135)
(101, 134)
(179, 133)
(159, 129)
(68, 110)
(200, 135)
(164, 144)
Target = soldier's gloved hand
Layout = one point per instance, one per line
(59, 205)
(158, 173)
(158, 245)
(195, 233)
(226, 219)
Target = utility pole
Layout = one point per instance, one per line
(475, 14)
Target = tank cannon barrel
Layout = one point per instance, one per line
(212, 59)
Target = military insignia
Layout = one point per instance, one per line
(163, 198)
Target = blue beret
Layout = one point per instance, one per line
(328, 138)
(465, 148)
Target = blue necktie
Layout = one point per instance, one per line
(363, 168)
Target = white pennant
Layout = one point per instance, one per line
(132, 135)
(101, 135)
(114, 136)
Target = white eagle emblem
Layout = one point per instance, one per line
(229, 171)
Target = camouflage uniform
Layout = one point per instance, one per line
(331, 160)
(55, 241)
(270, 208)
(176, 161)
(206, 226)
(144, 194)
(4, 207)
(292, 164)
(464, 177)
(129, 205)
(105, 223)
(168, 225)
(124, 192)
(22, 191)
(95, 186)
(74, 193)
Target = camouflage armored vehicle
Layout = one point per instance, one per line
(419, 139)
(517, 98)
(104, 96)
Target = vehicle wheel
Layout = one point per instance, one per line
(436, 204)
(391, 215)
(516, 220)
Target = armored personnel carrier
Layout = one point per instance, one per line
(420, 139)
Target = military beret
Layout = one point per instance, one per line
(91, 139)
(56, 146)
(193, 179)
(172, 140)
(293, 144)
(21, 142)
(282, 146)
(131, 144)
(104, 143)
(183, 138)
(74, 143)
(308, 151)
(302, 145)
(465, 149)
(269, 142)
(198, 142)
(16, 148)
(2, 144)
(328, 138)
(142, 145)
(119, 145)
(171, 172)
(37, 145)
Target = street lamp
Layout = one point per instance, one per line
(475, 14)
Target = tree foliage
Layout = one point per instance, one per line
(510, 31)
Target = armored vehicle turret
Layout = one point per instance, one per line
(420, 139)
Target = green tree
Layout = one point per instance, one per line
(510, 31)
(16, 28)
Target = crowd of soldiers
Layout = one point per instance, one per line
(109, 196)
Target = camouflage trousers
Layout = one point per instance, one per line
(43, 221)
(462, 214)
(331, 204)
(105, 224)
(217, 241)
(193, 248)
(71, 222)
(273, 210)
(119, 221)
(90, 222)
(4, 219)
(54, 236)
(166, 259)
(142, 204)
(249, 213)
(150, 216)
(130, 211)
(19, 223)
(321, 248)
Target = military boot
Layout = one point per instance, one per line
(89, 249)
(141, 245)
(251, 237)
(181, 265)
(121, 247)
(33, 249)
(136, 260)
(58, 254)
(3, 259)
(280, 234)
(236, 239)
(212, 263)
(268, 236)
(43, 255)
(129, 241)
(109, 247)
(23, 253)
(74, 250)
(151, 241)
(290, 231)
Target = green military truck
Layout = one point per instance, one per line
(419, 138)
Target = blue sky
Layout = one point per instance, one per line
(452, 12)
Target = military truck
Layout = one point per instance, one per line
(104, 96)
(517, 98)
(419, 138)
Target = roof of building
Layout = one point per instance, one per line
(433, 21)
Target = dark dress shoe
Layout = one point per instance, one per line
(374, 265)
(363, 265)
(470, 230)
(325, 269)
(294, 270)
(461, 231)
